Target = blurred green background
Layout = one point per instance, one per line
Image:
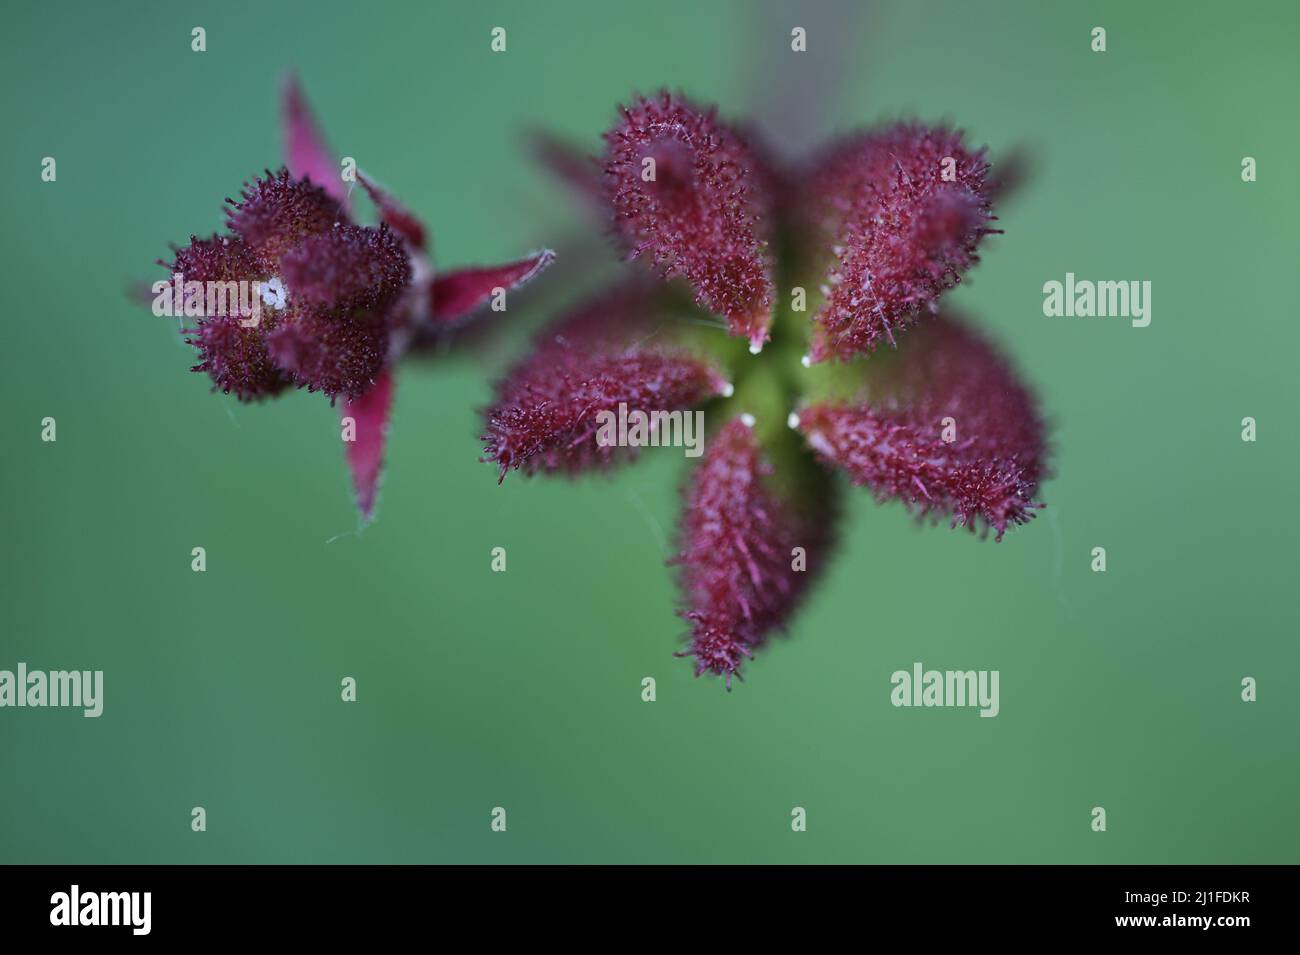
(522, 689)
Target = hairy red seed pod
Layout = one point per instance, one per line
(741, 568)
(948, 430)
(325, 304)
(687, 193)
(277, 212)
(236, 358)
(335, 354)
(342, 280)
(347, 267)
(546, 415)
(902, 210)
(233, 355)
(218, 259)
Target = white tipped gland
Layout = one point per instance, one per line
(274, 293)
(806, 361)
(747, 420)
(755, 347)
(793, 420)
(727, 390)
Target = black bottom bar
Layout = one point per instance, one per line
(204, 903)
